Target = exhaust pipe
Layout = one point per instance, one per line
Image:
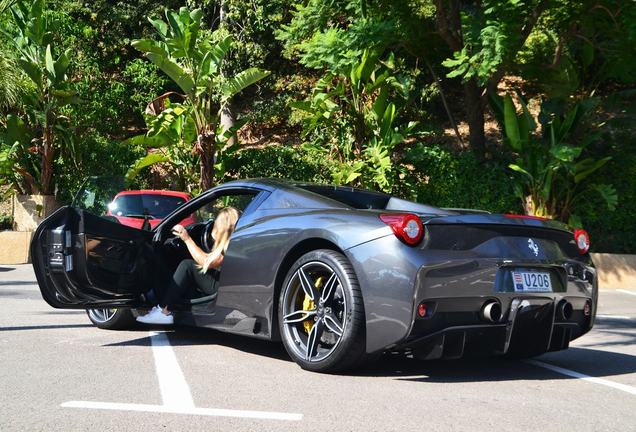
(491, 311)
(564, 310)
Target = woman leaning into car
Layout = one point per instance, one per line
(194, 275)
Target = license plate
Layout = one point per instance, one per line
(527, 281)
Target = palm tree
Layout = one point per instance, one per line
(189, 56)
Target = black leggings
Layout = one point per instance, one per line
(189, 282)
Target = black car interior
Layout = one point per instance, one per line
(170, 250)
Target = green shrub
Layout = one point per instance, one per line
(442, 178)
(613, 232)
(6, 222)
(280, 162)
(95, 155)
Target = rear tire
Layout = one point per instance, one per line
(112, 319)
(325, 333)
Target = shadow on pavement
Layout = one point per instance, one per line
(6, 269)
(588, 361)
(592, 362)
(186, 336)
(17, 283)
(63, 312)
(44, 327)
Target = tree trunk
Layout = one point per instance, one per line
(227, 111)
(475, 118)
(205, 146)
(227, 120)
(48, 157)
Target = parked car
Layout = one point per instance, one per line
(134, 207)
(339, 274)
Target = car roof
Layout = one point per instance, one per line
(155, 192)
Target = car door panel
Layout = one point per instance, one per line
(82, 260)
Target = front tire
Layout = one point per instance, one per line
(321, 313)
(112, 319)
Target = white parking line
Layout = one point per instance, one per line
(175, 392)
(574, 374)
(626, 292)
(262, 415)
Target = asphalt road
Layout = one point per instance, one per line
(57, 372)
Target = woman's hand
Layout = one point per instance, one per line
(180, 232)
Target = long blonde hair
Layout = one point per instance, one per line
(223, 228)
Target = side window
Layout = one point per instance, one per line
(96, 193)
(211, 209)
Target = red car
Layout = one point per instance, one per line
(132, 207)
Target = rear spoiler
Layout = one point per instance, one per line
(485, 218)
(466, 210)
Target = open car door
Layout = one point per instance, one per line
(83, 260)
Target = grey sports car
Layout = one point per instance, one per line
(338, 274)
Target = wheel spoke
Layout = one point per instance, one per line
(333, 324)
(307, 285)
(314, 339)
(102, 314)
(329, 288)
(298, 316)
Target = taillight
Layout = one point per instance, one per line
(406, 226)
(582, 239)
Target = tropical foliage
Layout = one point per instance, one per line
(46, 68)
(356, 116)
(193, 61)
(420, 98)
(552, 161)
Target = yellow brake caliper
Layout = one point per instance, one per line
(309, 304)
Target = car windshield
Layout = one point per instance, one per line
(137, 205)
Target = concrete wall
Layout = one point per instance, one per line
(30, 210)
(615, 271)
(14, 247)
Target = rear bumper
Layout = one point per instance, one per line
(530, 325)
(395, 279)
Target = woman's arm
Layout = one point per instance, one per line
(197, 253)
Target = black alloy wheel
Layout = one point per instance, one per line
(321, 313)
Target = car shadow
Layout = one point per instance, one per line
(589, 361)
(593, 362)
(187, 336)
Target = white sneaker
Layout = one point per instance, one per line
(156, 316)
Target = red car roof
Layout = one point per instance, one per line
(184, 195)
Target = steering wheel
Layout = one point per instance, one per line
(206, 236)
(174, 242)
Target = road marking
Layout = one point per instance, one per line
(263, 415)
(626, 292)
(574, 374)
(175, 391)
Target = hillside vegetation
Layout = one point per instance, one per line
(518, 106)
